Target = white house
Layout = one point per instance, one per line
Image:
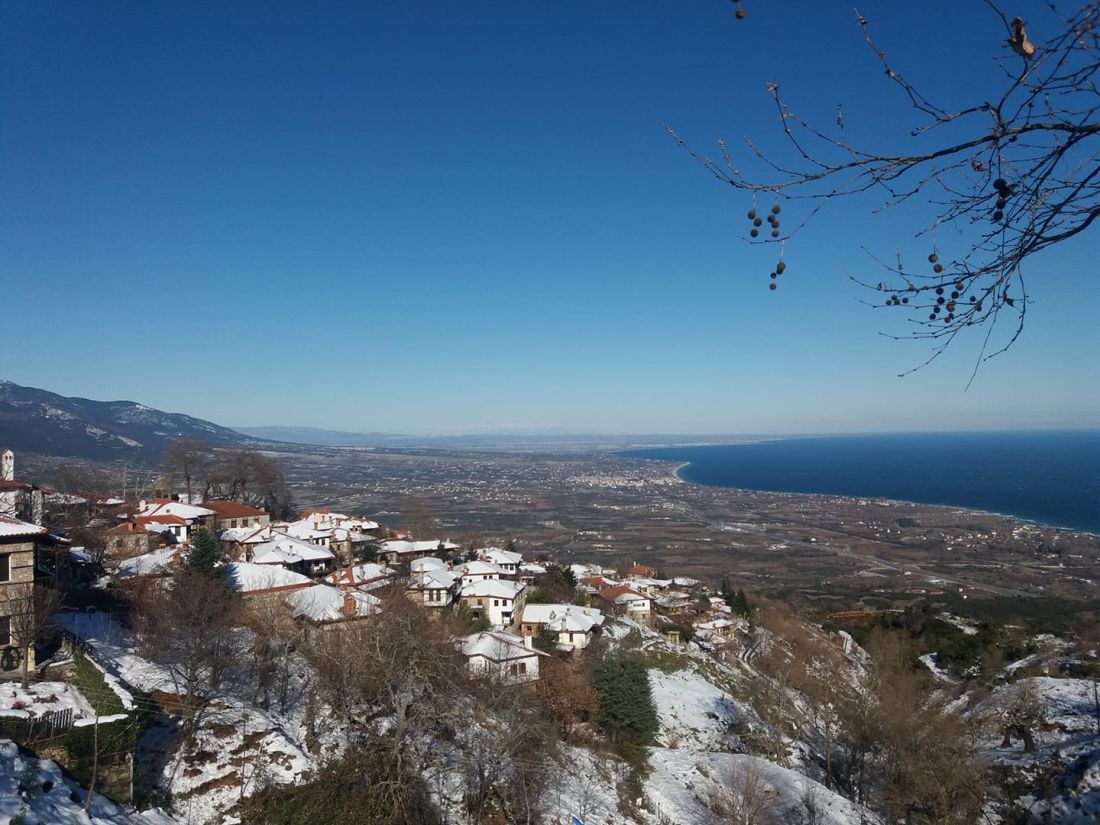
(496, 599)
(433, 587)
(292, 554)
(506, 560)
(192, 514)
(575, 626)
(501, 656)
(473, 571)
(626, 599)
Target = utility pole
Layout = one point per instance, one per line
(95, 763)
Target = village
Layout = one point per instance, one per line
(329, 568)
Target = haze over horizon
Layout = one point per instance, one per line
(434, 218)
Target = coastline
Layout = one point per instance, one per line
(680, 466)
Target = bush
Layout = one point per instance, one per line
(362, 786)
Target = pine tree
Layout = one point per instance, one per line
(205, 552)
(726, 592)
(740, 603)
(627, 712)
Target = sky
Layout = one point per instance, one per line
(438, 217)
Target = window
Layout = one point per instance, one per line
(5, 630)
(5, 567)
(496, 602)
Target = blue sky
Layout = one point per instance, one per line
(443, 217)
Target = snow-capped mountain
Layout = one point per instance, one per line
(38, 421)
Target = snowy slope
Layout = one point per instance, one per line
(34, 791)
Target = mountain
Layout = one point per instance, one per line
(38, 421)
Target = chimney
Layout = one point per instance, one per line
(7, 466)
(528, 642)
(349, 605)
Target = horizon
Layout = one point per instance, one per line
(430, 218)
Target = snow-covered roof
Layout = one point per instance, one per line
(325, 603)
(623, 593)
(685, 581)
(426, 563)
(404, 546)
(175, 508)
(479, 568)
(285, 550)
(714, 624)
(563, 617)
(244, 535)
(361, 524)
(361, 575)
(492, 588)
(499, 556)
(254, 578)
(497, 647)
(435, 579)
(15, 527)
(531, 567)
(306, 531)
(644, 581)
(80, 555)
(149, 564)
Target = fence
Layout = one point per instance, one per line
(28, 730)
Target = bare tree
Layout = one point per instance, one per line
(420, 520)
(31, 607)
(1016, 170)
(1022, 714)
(192, 630)
(399, 664)
(506, 752)
(275, 636)
(748, 798)
(251, 478)
(190, 458)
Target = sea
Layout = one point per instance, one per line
(1049, 477)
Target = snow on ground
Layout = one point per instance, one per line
(35, 791)
(1027, 661)
(1068, 745)
(115, 651)
(236, 746)
(236, 749)
(41, 697)
(962, 624)
(694, 714)
(583, 787)
(1069, 705)
(683, 783)
(932, 662)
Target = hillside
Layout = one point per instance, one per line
(43, 422)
